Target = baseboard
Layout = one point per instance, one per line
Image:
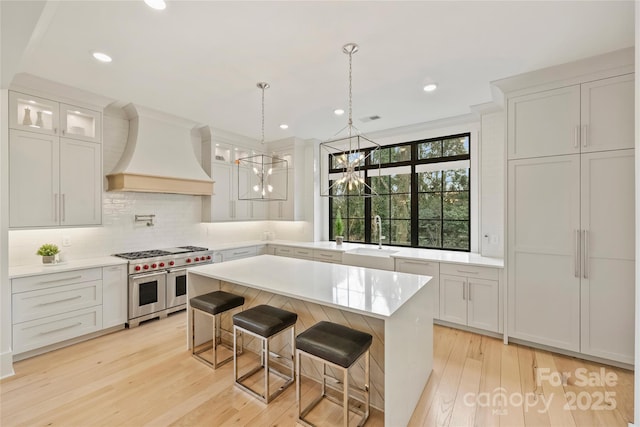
(6, 365)
(468, 329)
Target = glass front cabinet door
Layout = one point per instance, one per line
(33, 114)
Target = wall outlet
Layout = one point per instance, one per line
(66, 241)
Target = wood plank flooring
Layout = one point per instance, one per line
(146, 377)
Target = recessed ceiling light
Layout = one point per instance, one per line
(156, 4)
(430, 87)
(338, 111)
(284, 126)
(102, 57)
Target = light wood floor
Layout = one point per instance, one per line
(144, 376)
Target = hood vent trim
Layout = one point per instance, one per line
(159, 157)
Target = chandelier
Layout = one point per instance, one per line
(343, 158)
(257, 174)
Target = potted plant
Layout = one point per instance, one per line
(338, 228)
(48, 252)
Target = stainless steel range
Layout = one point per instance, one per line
(158, 280)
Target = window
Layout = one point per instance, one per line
(423, 196)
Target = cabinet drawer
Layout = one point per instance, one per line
(44, 281)
(231, 254)
(284, 251)
(303, 253)
(469, 271)
(328, 256)
(50, 330)
(47, 302)
(427, 268)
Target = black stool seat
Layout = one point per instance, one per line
(216, 302)
(335, 343)
(265, 320)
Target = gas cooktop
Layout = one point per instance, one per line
(152, 253)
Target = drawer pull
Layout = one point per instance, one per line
(60, 329)
(416, 263)
(468, 272)
(61, 280)
(61, 300)
(326, 255)
(241, 253)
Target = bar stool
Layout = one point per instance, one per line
(264, 322)
(339, 347)
(213, 304)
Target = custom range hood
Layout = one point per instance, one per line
(159, 156)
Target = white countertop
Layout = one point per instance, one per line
(404, 253)
(76, 264)
(376, 293)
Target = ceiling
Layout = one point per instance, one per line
(202, 59)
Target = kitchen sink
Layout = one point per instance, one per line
(370, 257)
(372, 252)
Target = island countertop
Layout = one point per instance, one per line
(376, 293)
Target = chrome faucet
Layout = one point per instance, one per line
(378, 221)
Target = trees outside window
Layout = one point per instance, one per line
(423, 196)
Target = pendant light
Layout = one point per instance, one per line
(342, 158)
(257, 173)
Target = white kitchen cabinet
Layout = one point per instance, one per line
(426, 268)
(49, 117)
(53, 181)
(608, 255)
(334, 257)
(115, 285)
(470, 296)
(238, 253)
(571, 252)
(51, 308)
(219, 206)
(589, 117)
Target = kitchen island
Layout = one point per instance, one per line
(395, 308)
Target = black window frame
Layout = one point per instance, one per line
(412, 163)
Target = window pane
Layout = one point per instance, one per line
(338, 161)
(455, 146)
(456, 235)
(400, 154)
(429, 234)
(355, 230)
(400, 232)
(429, 150)
(400, 183)
(455, 205)
(429, 181)
(380, 206)
(356, 207)
(380, 156)
(430, 206)
(401, 206)
(338, 203)
(380, 184)
(456, 180)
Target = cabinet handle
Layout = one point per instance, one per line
(415, 262)
(241, 253)
(469, 292)
(55, 130)
(63, 132)
(576, 255)
(60, 329)
(61, 300)
(468, 272)
(325, 255)
(585, 140)
(585, 254)
(61, 280)
(55, 207)
(64, 207)
(464, 291)
(576, 137)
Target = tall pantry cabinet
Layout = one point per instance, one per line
(570, 217)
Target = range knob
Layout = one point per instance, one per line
(146, 267)
(197, 259)
(188, 260)
(208, 256)
(154, 265)
(137, 268)
(171, 262)
(161, 264)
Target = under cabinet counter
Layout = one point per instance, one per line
(76, 264)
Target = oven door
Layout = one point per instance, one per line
(177, 288)
(147, 293)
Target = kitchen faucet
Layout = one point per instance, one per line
(378, 222)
